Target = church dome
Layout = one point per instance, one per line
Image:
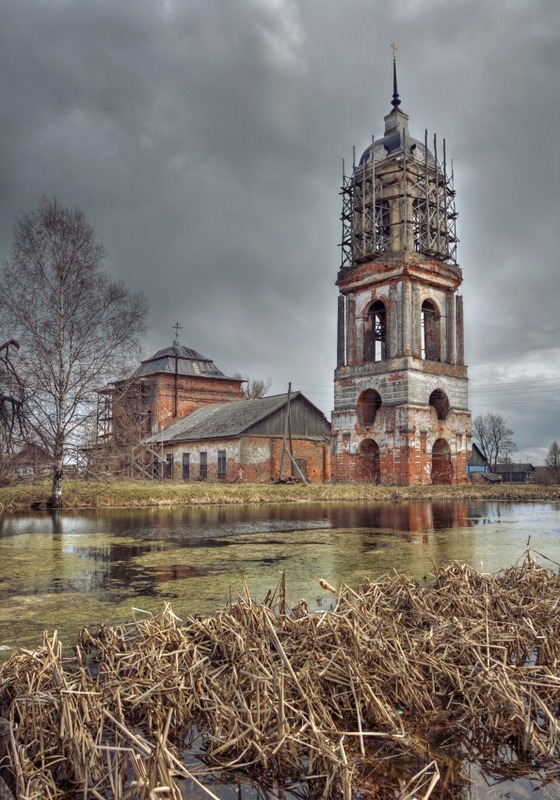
(178, 360)
(393, 143)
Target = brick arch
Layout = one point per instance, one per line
(375, 330)
(440, 402)
(442, 466)
(368, 466)
(430, 330)
(369, 402)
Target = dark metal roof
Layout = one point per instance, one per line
(393, 143)
(179, 360)
(225, 420)
(515, 468)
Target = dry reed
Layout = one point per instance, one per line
(384, 696)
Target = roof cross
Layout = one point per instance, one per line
(177, 329)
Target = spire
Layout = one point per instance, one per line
(396, 100)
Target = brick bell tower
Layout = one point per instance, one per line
(401, 387)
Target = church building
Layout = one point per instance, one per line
(401, 402)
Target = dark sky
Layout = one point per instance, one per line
(203, 139)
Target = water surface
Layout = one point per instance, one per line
(66, 571)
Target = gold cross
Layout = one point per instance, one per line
(394, 48)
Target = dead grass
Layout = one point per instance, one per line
(139, 494)
(373, 699)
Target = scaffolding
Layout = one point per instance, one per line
(122, 422)
(404, 200)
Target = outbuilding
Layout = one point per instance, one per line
(253, 441)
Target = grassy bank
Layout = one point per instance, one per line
(144, 494)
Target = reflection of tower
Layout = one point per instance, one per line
(401, 406)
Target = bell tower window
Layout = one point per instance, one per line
(375, 333)
(430, 331)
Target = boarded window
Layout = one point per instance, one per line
(169, 465)
(221, 464)
(186, 466)
(204, 465)
(302, 466)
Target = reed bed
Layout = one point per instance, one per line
(387, 695)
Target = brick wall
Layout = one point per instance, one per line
(250, 459)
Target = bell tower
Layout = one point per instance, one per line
(401, 387)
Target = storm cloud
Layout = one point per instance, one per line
(204, 141)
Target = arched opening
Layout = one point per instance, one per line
(369, 402)
(442, 468)
(430, 331)
(368, 468)
(440, 401)
(375, 332)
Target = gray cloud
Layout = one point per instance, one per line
(204, 142)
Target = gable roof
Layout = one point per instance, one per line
(515, 468)
(477, 457)
(227, 420)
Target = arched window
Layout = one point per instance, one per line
(430, 331)
(375, 333)
(368, 404)
(439, 401)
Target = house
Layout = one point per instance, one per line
(515, 473)
(248, 441)
(478, 465)
(31, 460)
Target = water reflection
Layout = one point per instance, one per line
(65, 571)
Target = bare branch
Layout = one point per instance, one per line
(78, 327)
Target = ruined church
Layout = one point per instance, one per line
(400, 403)
(400, 406)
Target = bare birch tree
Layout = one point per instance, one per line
(494, 438)
(77, 326)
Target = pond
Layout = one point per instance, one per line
(64, 571)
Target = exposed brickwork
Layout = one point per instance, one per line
(174, 400)
(401, 387)
(250, 459)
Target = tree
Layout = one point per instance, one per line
(254, 388)
(494, 438)
(553, 456)
(77, 326)
(552, 461)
